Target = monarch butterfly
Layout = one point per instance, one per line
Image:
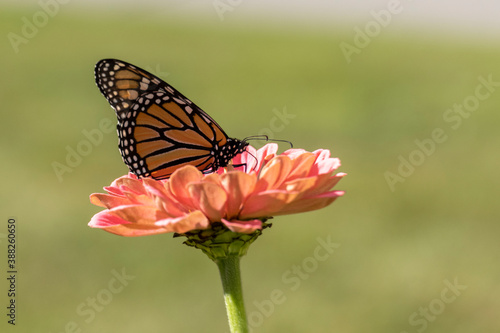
(159, 129)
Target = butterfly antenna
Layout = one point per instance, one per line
(265, 138)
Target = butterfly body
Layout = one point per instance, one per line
(159, 129)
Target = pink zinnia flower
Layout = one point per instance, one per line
(293, 182)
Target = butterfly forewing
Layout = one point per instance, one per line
(122, 84)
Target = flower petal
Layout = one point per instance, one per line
(139, 214)
(325, 183)
(301, 165)
(309, 204)
(244, 227)
(265, 204)
(238, 186)
(133, 230)
(118, 226)
(104, 219)
(107, 200)
(274, 173)
(325, 166)
(209, 198)
(180, 180)
(294, 152)
(132, 185)
(193, 221)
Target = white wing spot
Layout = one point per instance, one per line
(133, 94)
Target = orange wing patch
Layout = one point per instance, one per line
(165, 115)
(187, 137)
(126, 74)
(147, 119)
(144, 133)
(151, 147)
(178, 112)
(171, 157)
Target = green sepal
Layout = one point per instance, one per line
(220, 242)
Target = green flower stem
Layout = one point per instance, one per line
(229, 268)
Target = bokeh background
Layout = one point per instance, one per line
(353, 77)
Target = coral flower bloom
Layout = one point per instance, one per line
(241, 200)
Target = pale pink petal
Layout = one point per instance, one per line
(268, 149)
(114, 191)
(326, 166)
(104, 219)
(265, 204)
(133, 185)
(274, 173)
(134, 230)
(244, 227)
(312, 186)
(118, 226)
(238, 186)
(180, 180)
(117, 181)
(309, 204)
(301, 165)
(108, 201)
(294, 152)
(209, 198)
(193, 221)
(325, 183)
(138, 214)
(265, 154)
(321, 154)
(214, 178)
(171, 206)
(155, 188)
(300, 185)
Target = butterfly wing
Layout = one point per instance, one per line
(160, 135)
(123, 83)
(160, 129)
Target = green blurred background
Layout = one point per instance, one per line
(398, 244)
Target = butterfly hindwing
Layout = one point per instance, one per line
(158, 136)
